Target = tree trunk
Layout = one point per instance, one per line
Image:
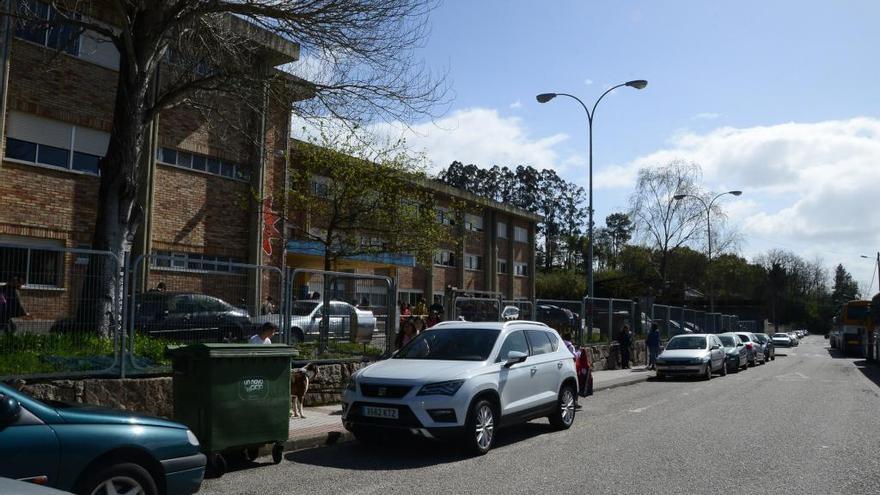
(118, 214)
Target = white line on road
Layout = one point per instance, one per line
(639, 410)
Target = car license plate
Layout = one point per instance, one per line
(853, 342)
(380, 412)
(678, 368)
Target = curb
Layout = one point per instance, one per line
(621, 383)
(311, 442)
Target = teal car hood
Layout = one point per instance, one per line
(91, 415)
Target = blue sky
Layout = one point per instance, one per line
(776, 98)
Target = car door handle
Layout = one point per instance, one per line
(534, 370)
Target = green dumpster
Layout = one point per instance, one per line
(234, 397)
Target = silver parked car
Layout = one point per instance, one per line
(692, 355)
(735, 349)
(306, 317)
(782, 340)
(756, 350)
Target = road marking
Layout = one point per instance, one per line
(793, 377)
(640, 410)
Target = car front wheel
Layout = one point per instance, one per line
(563, 417)
(119, 478)
(708, 374)
(480, 427)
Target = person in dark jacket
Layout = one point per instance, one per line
(653, 345)
(625, 345)
(10, 304)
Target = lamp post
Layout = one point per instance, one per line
(708, 206)
(878, 269)
(544, 98)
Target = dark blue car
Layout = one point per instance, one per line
(95, 451)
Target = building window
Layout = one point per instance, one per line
(473, 262)
(445, 217)
(320, 187)
(501, 230)
(35, 267)
(52, 143)
(444, 258)
(521, 269)
(520, 234)
(168, 260)
(36, 26)
(473, 223)
(203, 163)
(502, 267)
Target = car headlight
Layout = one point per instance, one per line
(352, 385)
(441, 388)
(193, 439)
(661, 361)
(700, 360)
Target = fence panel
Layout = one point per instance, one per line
(563, 315)
(57, 322)
(477, 308)
(517, 309)
(186, 301)
(624, 313)
(342, 314)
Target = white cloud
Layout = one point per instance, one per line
(808, 187)
(483, 137)
(588, 81)
(516, 104)
(706, 116)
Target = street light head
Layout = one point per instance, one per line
(545, 97)
(679, 197)
(638, 84)
(736, 193)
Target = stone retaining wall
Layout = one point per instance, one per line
(155, 396)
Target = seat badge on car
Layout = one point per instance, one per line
(382, 391)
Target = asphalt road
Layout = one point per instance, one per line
(805, 423)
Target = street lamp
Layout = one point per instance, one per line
(878, 268)
(544, 98)
(708, 206)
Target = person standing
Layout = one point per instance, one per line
(625, 344)
(269, 307)
(652, 342)
(267, 331)
(421, 308)
(10, 304)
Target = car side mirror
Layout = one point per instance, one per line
(514, 357)
(715, 346)
(10, 410)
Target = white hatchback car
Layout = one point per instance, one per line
(463, 380)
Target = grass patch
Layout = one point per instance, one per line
(27, 354)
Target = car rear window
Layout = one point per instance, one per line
(539, 341)
(687, 342)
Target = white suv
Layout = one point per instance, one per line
(463, 380)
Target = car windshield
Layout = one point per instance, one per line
(727, 340)
(689, 342)
(744, 337)
(453, 344)
(780, 335)
(761, 338)
(304, 308)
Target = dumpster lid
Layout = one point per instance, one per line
(231, 350)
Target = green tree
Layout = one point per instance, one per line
(359, 199)
(845, 288)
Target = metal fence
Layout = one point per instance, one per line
(609, 317)
(59, 314)
(177, 300)
(341, 314)
(477, 309)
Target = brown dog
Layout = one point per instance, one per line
(299, 387)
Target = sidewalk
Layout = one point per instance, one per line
(323, 424)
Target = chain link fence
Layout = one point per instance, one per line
(58, 313)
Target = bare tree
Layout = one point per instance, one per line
(660, 221)
(209, 54)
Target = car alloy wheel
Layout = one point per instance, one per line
(480, 427)
(724, 369)
(563, 417)
(119, 485)
(708, 375)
